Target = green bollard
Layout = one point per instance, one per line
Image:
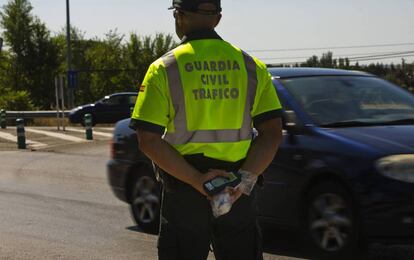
(87, 119)
(21, 137)
(3, 119)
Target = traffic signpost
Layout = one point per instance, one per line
(60, 102)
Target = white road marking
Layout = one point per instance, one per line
(13, 138)
(94, 132)
(57, 135)
(35, 144)
(107, 128)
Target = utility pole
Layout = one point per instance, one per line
(69, 56)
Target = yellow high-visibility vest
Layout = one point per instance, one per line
(205, 93)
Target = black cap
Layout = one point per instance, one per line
(194, 6)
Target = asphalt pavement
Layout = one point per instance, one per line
(59, 206)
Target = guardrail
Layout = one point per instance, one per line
(33, 114)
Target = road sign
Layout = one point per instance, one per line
(72, 79)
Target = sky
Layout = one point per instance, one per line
(283, 26)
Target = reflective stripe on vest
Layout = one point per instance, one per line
(181, 134)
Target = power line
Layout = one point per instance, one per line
(387, 55)
(349, 55)
(357, 59)
(383, 58)
(336, 47)
(384, 55)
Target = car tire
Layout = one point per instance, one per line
(146, 202)
(331, 225)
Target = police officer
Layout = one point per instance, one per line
(194, 117)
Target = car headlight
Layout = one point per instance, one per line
(398, 167)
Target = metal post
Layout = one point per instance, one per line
(71, 94)
(87, 119)
(62, 97)
(57, 102)
(21, 137)
(3, 119)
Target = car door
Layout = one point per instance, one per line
(110, 109)
(282, 180)
(275, 202)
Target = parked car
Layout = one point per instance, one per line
(343, 175)
(109, 109)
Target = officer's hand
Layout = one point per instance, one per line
(211, 174)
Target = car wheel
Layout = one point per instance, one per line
(330, 223)
(145, 203)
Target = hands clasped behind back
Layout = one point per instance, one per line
(221, 203)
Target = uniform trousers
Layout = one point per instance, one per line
(188, 228)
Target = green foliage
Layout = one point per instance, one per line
(15, 100)
(34, 58)
(16, 20)
(112, 64)
(11, 99)
(33, 55)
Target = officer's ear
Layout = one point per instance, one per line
(178, 15)
(217, 20)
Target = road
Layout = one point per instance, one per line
(58, 205)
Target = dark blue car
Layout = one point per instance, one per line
(343, 176)
(109, 109)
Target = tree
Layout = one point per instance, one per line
(11, 99)
(312, 62)
(327, 61)
(16, 20)
(42, 65)
(34, 54)
(114, 64)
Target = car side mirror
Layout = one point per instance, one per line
(290, 120)
(290, 123)
(103, 101)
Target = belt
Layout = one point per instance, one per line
(202, 164)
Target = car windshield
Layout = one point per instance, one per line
(340, 101)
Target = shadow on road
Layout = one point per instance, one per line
(134, 228)
(137, 229)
